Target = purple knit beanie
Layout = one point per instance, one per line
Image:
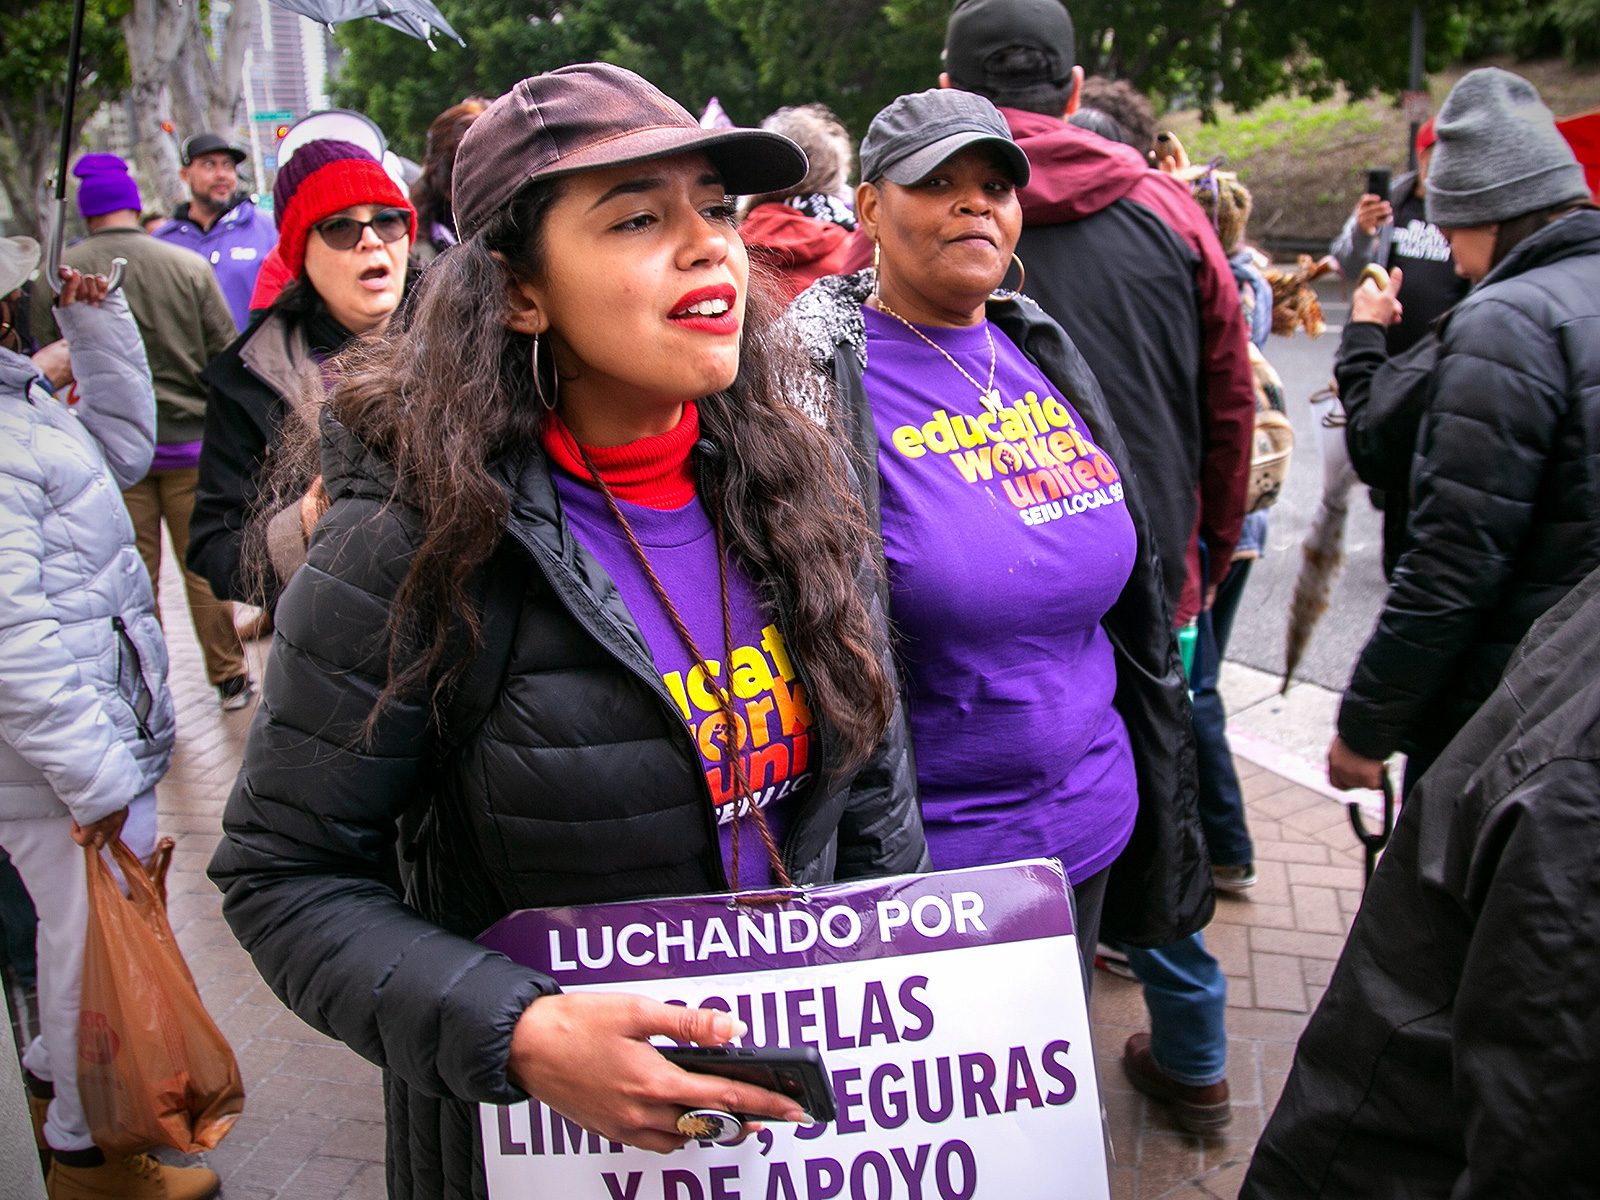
(106, 187)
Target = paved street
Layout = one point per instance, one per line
(313, 1122)
(1258, 636)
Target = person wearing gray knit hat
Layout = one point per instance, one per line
(1499, 154)
(1452, 1054)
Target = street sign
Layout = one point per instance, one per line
(284, 115)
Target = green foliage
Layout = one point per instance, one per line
(678, 44)
(33, 56)
(1566, 27)
(34, 35)
(1297, 126)
(856, 55)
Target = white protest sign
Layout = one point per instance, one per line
(949, 1010)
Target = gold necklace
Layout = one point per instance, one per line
(989, 396)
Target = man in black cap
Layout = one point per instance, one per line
(219, 222)
(1125, 260)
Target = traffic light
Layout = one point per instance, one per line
(283, 132)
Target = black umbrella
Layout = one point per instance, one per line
(58, 209)
(419, 18)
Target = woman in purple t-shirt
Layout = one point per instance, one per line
(1043, 687)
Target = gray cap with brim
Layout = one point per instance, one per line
(916, 133)
(19, 256)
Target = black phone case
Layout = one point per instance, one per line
(796, 1072)
(1379, 180)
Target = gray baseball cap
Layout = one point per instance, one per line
(916, 133)
(19, 256)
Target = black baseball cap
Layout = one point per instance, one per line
(980, 32)
(210, 143)
(593, 115)
(916, 133)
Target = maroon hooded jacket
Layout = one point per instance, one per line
(1127, 262)
(796, 250)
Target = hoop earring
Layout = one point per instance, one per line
(549, 401)
(1011, 293)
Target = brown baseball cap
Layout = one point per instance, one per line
(593, 115)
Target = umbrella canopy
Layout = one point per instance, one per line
(419, 18)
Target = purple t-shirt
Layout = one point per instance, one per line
(176, 456)
(1007, 540)
(768, 698)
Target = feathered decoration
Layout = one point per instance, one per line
(1323, 550)
(1294, 300)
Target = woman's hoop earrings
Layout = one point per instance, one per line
(549, 401)
(1004, 293)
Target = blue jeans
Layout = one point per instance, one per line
(1187, 995)
(1221, 803)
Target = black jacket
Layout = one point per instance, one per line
(1125, 260)
(1383, 400)
(269, 371)
(1456, 1053)
(1160, 886)
(579, 783)
(1505, 493)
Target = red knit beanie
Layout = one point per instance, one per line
(322, 178)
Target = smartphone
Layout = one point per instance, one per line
(1378, 182)
(795, 1072)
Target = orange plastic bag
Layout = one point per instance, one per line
(153, 1068)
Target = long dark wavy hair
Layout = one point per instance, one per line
(450, 390)
(430, 194)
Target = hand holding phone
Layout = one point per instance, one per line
(793, 1072)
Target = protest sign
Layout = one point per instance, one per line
(948, 1008)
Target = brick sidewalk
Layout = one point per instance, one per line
(313, 1122)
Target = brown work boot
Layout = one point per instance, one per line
(91, 1175)
(1203, 1110)
(40, 1093)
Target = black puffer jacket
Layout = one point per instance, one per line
(1505, 493)
(1456, 1054)
(581, 783)
(1160, 886)
(1383, 400)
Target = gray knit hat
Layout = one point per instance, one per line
(1499, 154)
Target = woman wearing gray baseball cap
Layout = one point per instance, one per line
(593, 597)
(1045, 692)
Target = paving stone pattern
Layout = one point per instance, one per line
(313, 1122)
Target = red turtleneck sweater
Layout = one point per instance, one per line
(654, 472)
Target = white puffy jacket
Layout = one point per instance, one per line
(86, 721)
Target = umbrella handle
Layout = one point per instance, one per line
(1373, 843)
(54, 243)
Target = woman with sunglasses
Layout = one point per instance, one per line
(579, 533)
(344, 231)
(1044, 689)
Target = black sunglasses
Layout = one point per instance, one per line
(344, 233)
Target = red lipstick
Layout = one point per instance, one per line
(707, 309)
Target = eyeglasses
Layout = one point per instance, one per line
(344, 233)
